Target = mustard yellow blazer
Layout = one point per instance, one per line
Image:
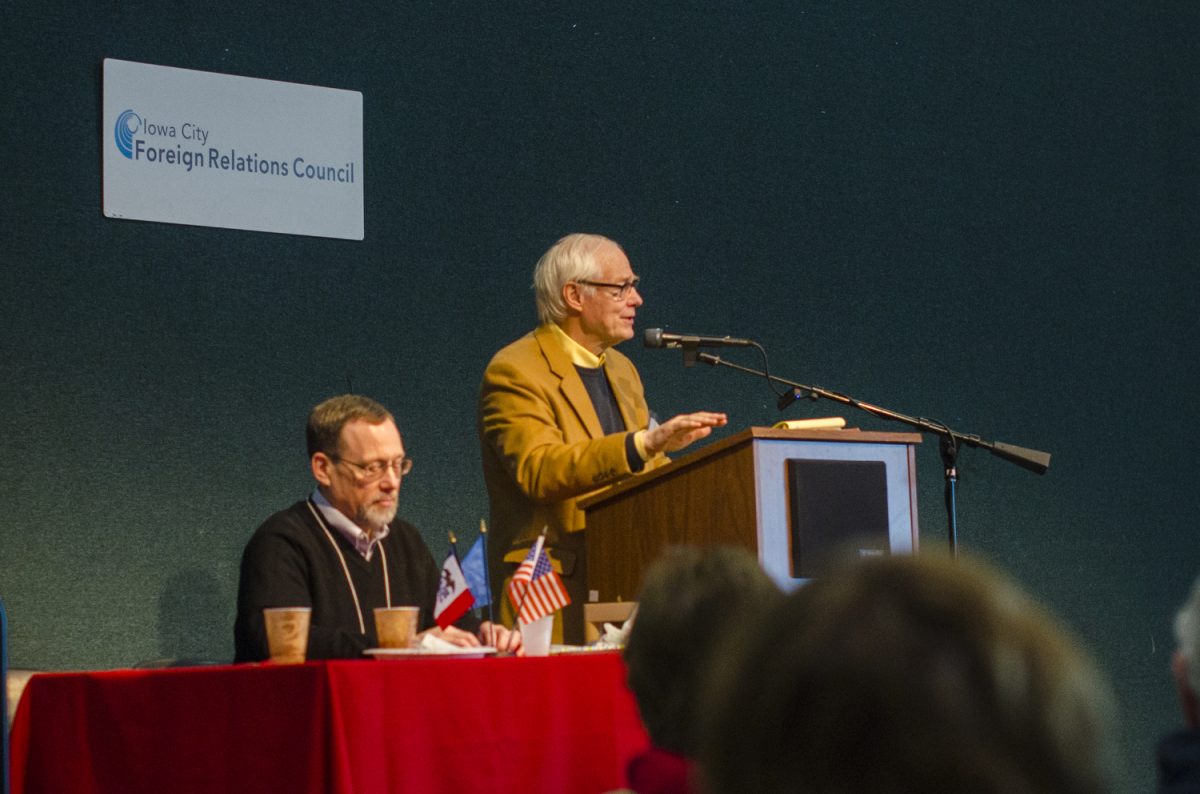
(541, 441)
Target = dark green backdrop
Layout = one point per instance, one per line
(984, 213)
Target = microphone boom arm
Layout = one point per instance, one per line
(1030, 459)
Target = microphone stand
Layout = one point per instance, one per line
(1029, 459)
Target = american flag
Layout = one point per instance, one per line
(535, 589)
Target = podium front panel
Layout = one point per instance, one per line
(775, 525)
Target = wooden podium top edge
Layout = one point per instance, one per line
(847, 435)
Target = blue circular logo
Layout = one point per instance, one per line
(127, 124)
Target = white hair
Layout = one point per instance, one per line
(573, 258)
(1187, 635)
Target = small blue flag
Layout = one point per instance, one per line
(475, 571)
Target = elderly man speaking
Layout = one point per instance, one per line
(562, 414)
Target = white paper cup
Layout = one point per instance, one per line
(535, 636)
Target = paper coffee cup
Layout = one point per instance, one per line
(396, 627)
(535, 636)
(287, 633)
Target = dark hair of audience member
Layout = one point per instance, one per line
(689, 600)
(905, 674)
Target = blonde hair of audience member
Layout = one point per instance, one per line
(1186, 661)
(907, 674)
(690, 598)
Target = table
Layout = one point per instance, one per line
(559, 723)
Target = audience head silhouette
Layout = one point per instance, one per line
(689, 601)
(907, 674)
(1186, 662)
(1179, 752)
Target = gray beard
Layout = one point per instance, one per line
(375, 517)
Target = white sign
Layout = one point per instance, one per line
(207, 149)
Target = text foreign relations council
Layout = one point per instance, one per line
(243, 163)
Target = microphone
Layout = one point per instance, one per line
(657, 337)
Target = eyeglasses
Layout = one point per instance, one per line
(622, 290)
(370, 472)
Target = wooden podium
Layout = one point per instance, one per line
(787, 495)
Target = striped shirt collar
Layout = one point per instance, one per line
(347, 528)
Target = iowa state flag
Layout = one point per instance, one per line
(453, 596)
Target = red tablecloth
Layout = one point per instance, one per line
(564, 723)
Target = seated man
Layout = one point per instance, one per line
(342, 551)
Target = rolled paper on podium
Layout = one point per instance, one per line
(827, 422)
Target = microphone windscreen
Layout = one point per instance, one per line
(653, 337)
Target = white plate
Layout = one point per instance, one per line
(559, 650)
(431, 653)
